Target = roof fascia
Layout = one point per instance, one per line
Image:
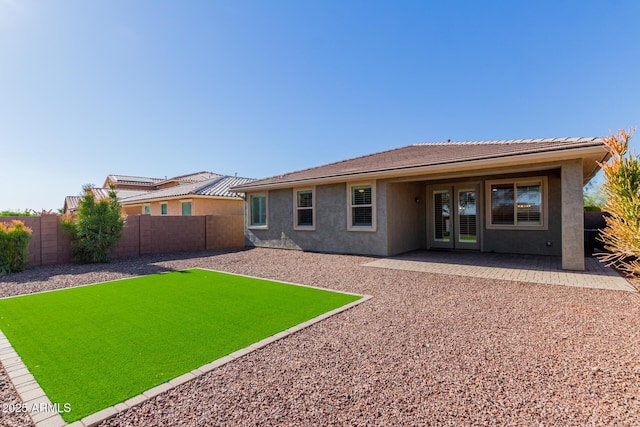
(462, 166)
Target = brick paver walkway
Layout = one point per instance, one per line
(521, 268)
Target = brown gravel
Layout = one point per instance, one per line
(428, 349)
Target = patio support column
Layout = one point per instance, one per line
(572, 216)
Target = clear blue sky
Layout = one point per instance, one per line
(163, 88)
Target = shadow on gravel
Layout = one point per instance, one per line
(146, 264)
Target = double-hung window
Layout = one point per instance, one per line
(163, 209)
(146, 209)
(361, 207)
(304, 215)
(517, 204)
(258, 210)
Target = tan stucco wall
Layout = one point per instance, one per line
(217, 207)
(198, 207)
(131, 210)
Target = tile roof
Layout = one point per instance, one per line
(430, 154)
(137, 180)
(192, 177)
(72, 202)
(215, 187)
(152, 182)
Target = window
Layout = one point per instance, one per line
(361, 203)
(258, 210)
(163, 208)
(186, 208)
(304, 210)
(517, 203)
(146, 209)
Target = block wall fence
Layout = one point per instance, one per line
(142, 235)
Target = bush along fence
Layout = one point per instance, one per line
(14, 243)
(142, 235)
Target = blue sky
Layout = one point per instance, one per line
(259, 88)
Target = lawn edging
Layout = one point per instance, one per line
(33, 396)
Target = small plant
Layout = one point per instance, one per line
(96, 227)
(621, 237)
(14, 246)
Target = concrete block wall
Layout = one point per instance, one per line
(171, 234)
(225, 232)
(142, 235)
(129, 245)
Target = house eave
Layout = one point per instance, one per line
(595, 153)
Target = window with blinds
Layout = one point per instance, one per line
(442, 216)
(502, 204)
(361, 214)
(361, 207)
(517, 203)
(304, 209)
(467, 220)
(529, 203)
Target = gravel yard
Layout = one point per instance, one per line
(428, 349)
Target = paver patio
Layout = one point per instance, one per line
(521, 268)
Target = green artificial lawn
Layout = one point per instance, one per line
(98, 345)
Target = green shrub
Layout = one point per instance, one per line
(14, 246)
(95, 228)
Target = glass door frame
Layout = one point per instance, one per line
(454, 190)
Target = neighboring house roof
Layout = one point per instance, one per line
(155, 183)
(215, 187)
(195, 177)
(421, 158)
(71, 203)
(132, 180)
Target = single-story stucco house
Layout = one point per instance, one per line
(510, 196)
